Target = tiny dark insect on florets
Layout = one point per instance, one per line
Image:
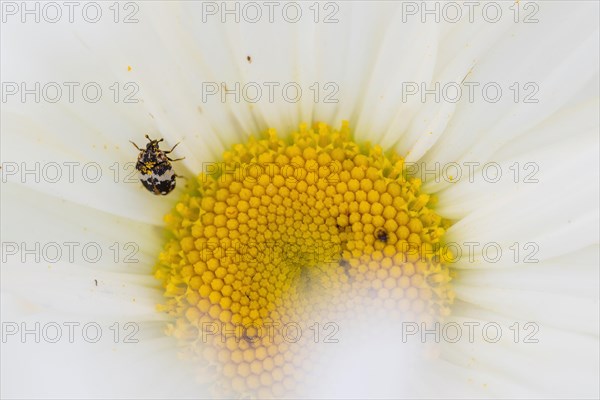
(381, 235)
(156, 172)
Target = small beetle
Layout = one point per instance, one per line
(381, 235)
(156, 173)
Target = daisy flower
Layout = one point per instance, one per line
(382, 199)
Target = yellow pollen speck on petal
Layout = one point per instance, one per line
(295, 230)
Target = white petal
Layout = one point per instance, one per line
(480, 127)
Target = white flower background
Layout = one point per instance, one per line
(369, 53)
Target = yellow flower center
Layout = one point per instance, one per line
(284, 234)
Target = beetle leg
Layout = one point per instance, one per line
(173, 148)
(136, 146)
